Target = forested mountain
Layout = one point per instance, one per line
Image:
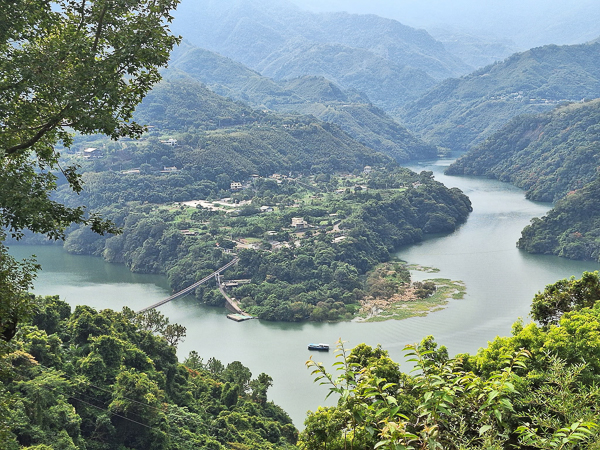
(224, 25)
(103, 380)
(553, 156)
(387, 83)
(475, 49)
(220, 136)
(571, 229)
(462, 112)
(217, 141)
(379, 56)
(315, 96)
(548, 155)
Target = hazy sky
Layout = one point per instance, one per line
(526, 22)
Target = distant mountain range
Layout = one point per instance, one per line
(527, 23)
(308, 95)
(461, 112)
(474, 49)
(390, 62)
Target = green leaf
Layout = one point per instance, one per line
(484, 428)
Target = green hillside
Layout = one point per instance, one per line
(548, 155)
(104, 380)
(460, 113)
(571, 229)
(307, 95)
(237, 140)
(217, 141)
(226, 77)
(184, 104)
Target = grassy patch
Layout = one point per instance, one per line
(420, 268)
(446, 289)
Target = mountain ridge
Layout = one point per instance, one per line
(461, 112)
(262, 34)
(316, 96)
(548, 155)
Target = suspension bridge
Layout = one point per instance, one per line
(189, 289)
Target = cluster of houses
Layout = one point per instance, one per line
(238, 186)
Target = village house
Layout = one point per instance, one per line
(92, 153)
(170, 142)
(236, 186)
(299, 223)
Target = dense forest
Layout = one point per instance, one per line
(461, 112)
(219, 137)
(350, 224)
(100, 380)
(308, 95)
(547, 155)
(571, 229)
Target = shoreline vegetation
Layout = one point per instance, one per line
(391, 295)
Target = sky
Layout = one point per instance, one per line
(527, 23)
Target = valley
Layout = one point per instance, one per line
(398, 193)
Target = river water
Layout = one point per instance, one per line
(500, 281)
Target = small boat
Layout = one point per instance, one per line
(319, 347)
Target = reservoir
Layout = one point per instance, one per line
(500, 280)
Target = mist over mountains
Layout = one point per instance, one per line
(461, 112)
(390, 62)
(525, 23)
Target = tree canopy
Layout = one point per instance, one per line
(68, 67)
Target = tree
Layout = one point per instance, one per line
(239, 374)
(260, 386)
(443, 406)
(15, 279)
(564, 296)
(67, 66)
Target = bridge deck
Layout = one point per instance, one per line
(192, 287)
